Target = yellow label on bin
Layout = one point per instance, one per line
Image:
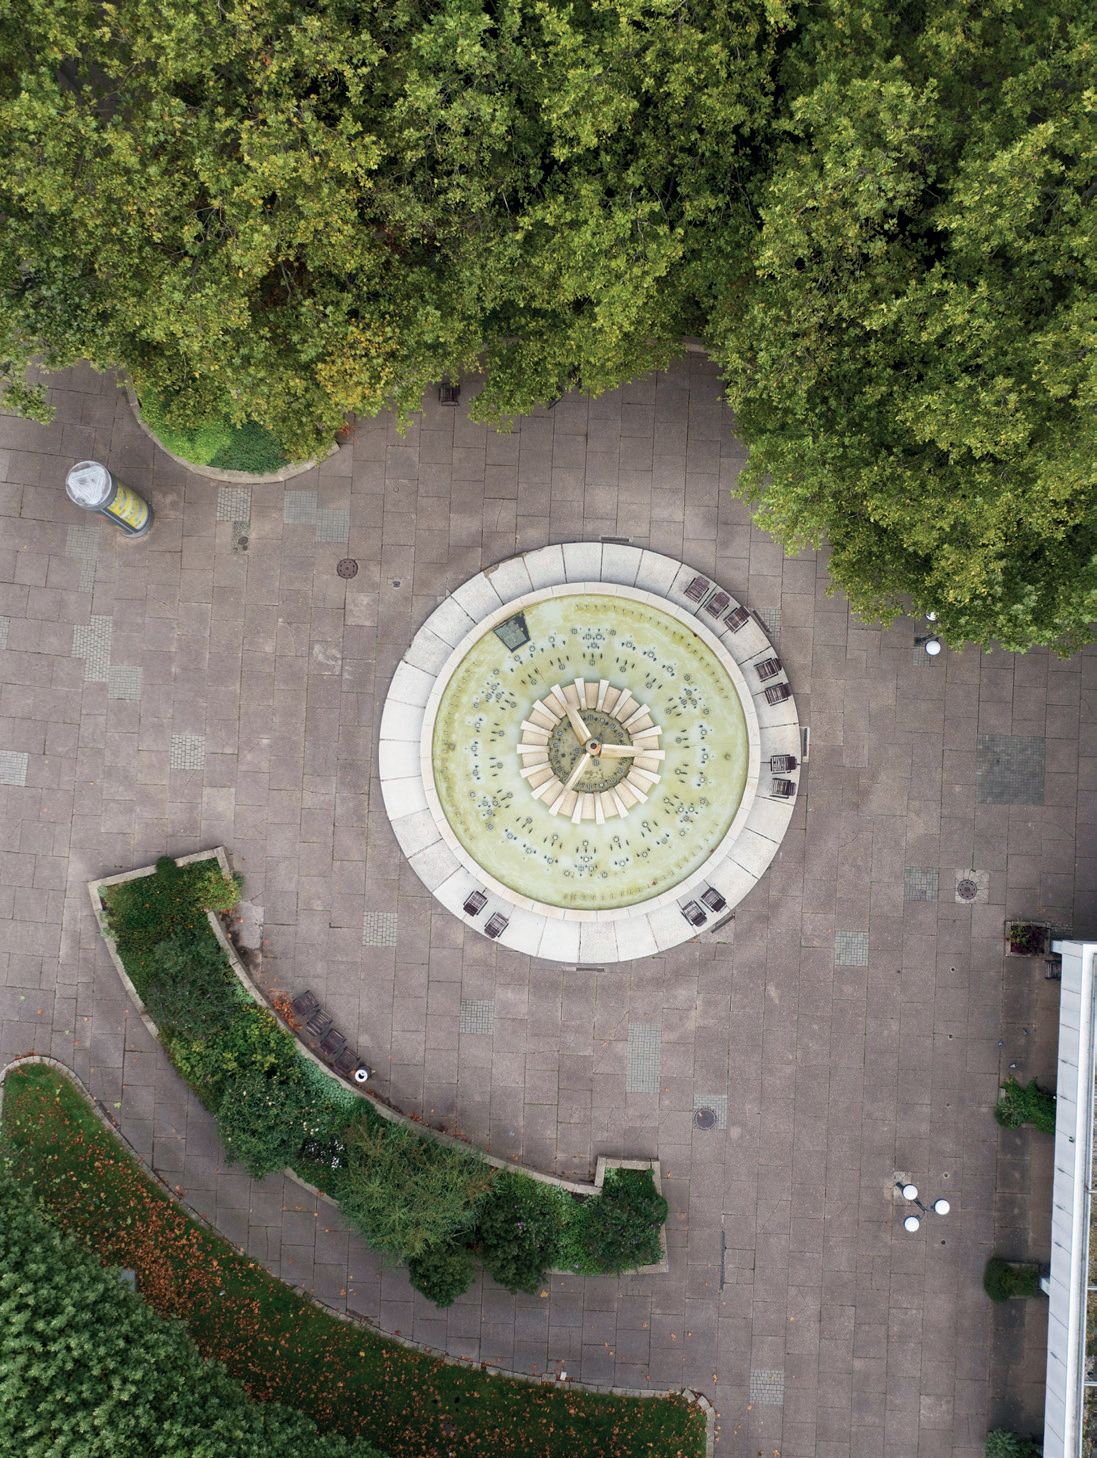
(127, 506)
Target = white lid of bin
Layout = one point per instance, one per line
(88, 483)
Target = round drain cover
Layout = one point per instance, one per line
(347, 567)
(705, 1118)
(967, 889)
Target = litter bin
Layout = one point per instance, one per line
(98, 489)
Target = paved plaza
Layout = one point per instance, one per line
(219, 683)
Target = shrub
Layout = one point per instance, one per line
(519, 1230)
(324, 1157)
(407, 1194)
(210, 889)
(619, 1229)
(191, 993)
(1026, 1104)
(168, 905)
(441, 1273)
(252, 1041)
(1001, 1444)
(1004, 1279)
(263, 1119)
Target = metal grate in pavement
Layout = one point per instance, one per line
(850, 949)
(379, 929)
(234, 504)
(1009, 769)
(477, 1015)
(91, 642)
(123, 683)
(13, 767)
(718, 1103)
(187, 751)
(920, 883)
(767, 1387)
(645, 1058)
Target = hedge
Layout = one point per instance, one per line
(416, 1200)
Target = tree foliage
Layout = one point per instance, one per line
(307, 210)
(86, 1367)
(877, 216)
(912, 360)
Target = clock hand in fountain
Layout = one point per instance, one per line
(576, 722)
(580, 765)
(618, 751)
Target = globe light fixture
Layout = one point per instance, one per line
(909, 1192)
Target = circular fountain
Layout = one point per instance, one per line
(575, 752)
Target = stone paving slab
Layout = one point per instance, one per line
(196, 688)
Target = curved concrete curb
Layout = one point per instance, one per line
(573, 1187)
(236, 478)
(545, 1379)
(740, 642)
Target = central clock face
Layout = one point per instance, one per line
(598, 763)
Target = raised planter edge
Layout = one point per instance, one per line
(572, 1187)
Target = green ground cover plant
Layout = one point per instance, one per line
(217, 441)
(417, 1200)
(1003, 1280)
(279, 1345)
(1026, 1104)
(88, 1367)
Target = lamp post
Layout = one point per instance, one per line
(910, 1193)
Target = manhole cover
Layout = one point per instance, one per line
(705, 1118)
(347, 567)
(967, 889)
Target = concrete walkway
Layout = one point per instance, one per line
(218, 683)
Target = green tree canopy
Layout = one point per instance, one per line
(306, 210)
(86, 1367)
(877, 216)
(912, 361)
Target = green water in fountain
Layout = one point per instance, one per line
(491, 809)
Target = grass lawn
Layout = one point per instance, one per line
(217, 442)
(282, 1346)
